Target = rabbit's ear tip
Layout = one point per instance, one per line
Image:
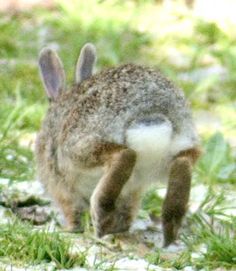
(46, 52)
(89, 48)
(89, 45)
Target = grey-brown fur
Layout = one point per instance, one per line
(85, 64)
(84, 154)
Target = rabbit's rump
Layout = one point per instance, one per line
(151, 143)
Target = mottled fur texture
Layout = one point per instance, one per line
(103, 142)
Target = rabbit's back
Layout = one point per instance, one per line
(115, 99)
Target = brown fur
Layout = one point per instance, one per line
(176, 200)
(83, 153)
(193, 154)
(103, 201)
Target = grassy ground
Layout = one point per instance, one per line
(198, 54)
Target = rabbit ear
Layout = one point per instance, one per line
(52, 73)
(85, 63)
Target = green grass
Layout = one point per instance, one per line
(152, 203)
(212, 227)
(21, 244)
(210, 242)
(16, 159)
(218, 163)
(219, 240)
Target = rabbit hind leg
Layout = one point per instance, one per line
(106, 215)
(175, 203)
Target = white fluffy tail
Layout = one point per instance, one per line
(149, 139)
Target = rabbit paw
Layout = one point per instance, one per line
(108, 222)
(171, 227)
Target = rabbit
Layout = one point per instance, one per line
(106, 140)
